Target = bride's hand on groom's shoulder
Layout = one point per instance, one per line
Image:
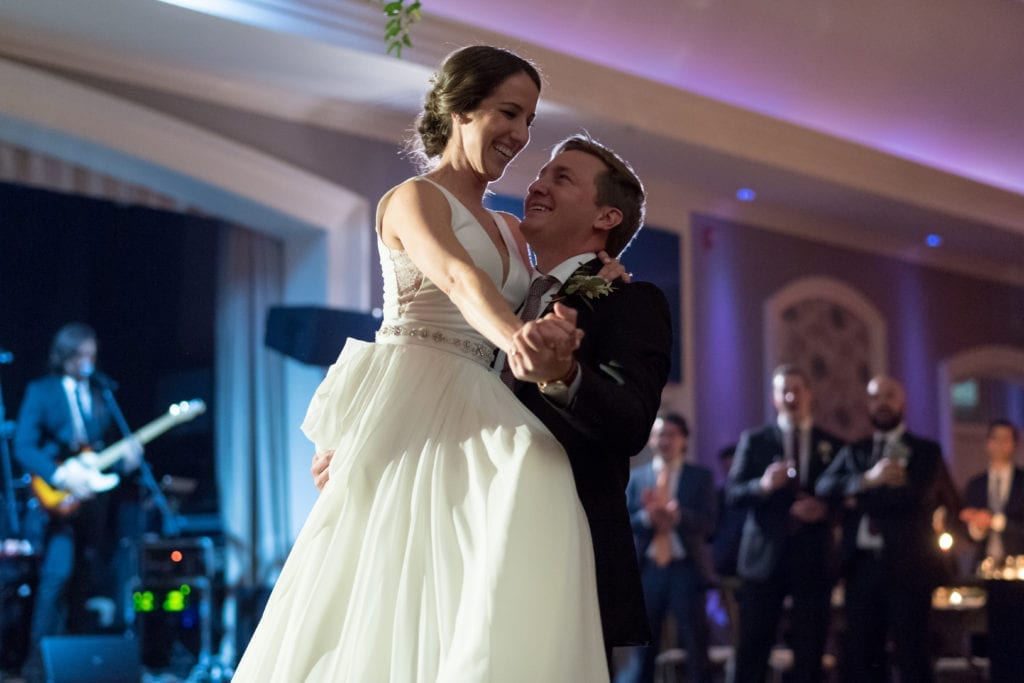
(612, 269)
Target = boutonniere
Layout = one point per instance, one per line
(825, 451)
(587, 287)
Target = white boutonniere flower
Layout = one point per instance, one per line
(586, 287)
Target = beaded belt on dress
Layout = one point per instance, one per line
(432, 336)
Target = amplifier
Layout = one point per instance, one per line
(176, 557)
(173, 622)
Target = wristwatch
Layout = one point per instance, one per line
(559, 389)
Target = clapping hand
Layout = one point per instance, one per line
(662, 509)
(775, 476)
(808, 509)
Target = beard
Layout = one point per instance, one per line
(885, 420)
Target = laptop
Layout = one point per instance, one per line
(91, 659)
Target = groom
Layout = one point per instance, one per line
(601, 401)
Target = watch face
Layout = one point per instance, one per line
(558, 389)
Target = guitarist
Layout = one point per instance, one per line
(63, 415)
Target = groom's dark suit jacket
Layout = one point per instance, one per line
(624, 360)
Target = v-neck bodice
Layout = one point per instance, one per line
(412, 303)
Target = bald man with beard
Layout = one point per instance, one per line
(891, 483)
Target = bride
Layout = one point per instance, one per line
(449, 544)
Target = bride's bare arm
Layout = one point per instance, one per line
(418, 219)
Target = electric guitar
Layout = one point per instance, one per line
(61, 503)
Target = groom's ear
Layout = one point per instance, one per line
(607, 218)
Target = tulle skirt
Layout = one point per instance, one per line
(448, 546)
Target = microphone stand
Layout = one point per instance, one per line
(10, 504)
(204, 669)
(169, 520)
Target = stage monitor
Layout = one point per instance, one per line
(91, 659)
(315, 335)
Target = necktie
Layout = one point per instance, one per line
(78, 416)
(794, 452)
(662, 542)
(84, 400)
(529, 311)
(994, 547)
(876, 455)
(996, 498)
(540, 286)
(879, 448)
(85, 408)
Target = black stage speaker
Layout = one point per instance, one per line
(17, 576)
(90, 659)
(315, 335)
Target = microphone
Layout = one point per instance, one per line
(103, 381)
(6, 357)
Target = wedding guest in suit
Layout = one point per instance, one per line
(892, 483)
(672, 509)
(994, 500)
(62, 415)
(600, 401)
(786, 545)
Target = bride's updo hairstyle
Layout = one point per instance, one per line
(466, 77)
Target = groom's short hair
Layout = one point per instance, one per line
(618, 187)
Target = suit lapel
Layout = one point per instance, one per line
(1016, 489)
(778, 447)
(816, 459)
(684, 475)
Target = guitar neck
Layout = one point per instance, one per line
(114, 452)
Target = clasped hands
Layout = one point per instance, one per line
(806, 508)
(662, 509)
(979, 518)
(885, 472)
(543, 349)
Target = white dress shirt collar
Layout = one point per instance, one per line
(893, 435)
(564, 270)
(785, 423)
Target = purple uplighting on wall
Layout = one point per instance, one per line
(807, 65)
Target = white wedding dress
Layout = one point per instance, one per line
(449, 545)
